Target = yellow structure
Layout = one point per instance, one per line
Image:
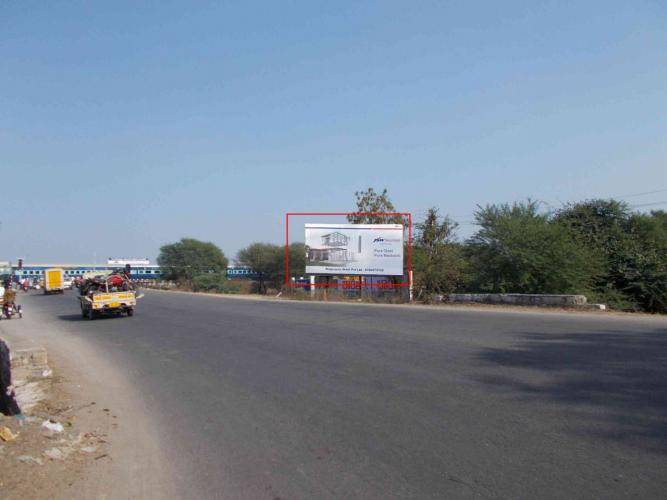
(53, 280)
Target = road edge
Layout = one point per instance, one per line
(476, 308)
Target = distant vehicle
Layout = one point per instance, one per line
(68, 283)
(54, 280)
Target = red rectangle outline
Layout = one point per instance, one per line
(379, 285)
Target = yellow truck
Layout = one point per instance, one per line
(101, 303)
(54, 280)
(108, 294)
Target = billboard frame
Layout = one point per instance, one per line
(407, 215)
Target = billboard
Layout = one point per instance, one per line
(133, 262)
(358, 249)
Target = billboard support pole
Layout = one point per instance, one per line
(287, 249)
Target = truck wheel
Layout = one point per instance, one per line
(91, 314)
(130, 312)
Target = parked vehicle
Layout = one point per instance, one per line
(54, 280)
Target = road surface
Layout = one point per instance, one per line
(266, 399)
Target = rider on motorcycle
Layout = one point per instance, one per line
(10, 294)
(9, 307)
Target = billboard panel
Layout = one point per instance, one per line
(111, 261)
(359, 249)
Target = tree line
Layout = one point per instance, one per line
(202, 266)
(599, 248)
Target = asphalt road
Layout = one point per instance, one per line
(257, 399)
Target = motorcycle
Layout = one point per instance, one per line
(9, 310)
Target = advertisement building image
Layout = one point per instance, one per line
(333, 249)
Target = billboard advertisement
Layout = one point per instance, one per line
(111, 261)
(357, 249)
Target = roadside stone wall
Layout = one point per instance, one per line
(520, 299)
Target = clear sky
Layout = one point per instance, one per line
(127, 125)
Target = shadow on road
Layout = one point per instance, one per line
(78, 317)
(614, 382)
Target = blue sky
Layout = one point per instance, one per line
(127, 125)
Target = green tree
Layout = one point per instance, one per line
(262, 258)
(297, 261)
(373, 202)
(437, 257)
(187, 258)
(268, 261)
(633, 247)
(518, 249)
(647, 270)
(600, 223)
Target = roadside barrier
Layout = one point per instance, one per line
(521, 299)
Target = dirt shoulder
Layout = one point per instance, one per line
(47, 463)
(107, 447)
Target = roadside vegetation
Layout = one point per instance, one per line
(268, 261)
(598, 248)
